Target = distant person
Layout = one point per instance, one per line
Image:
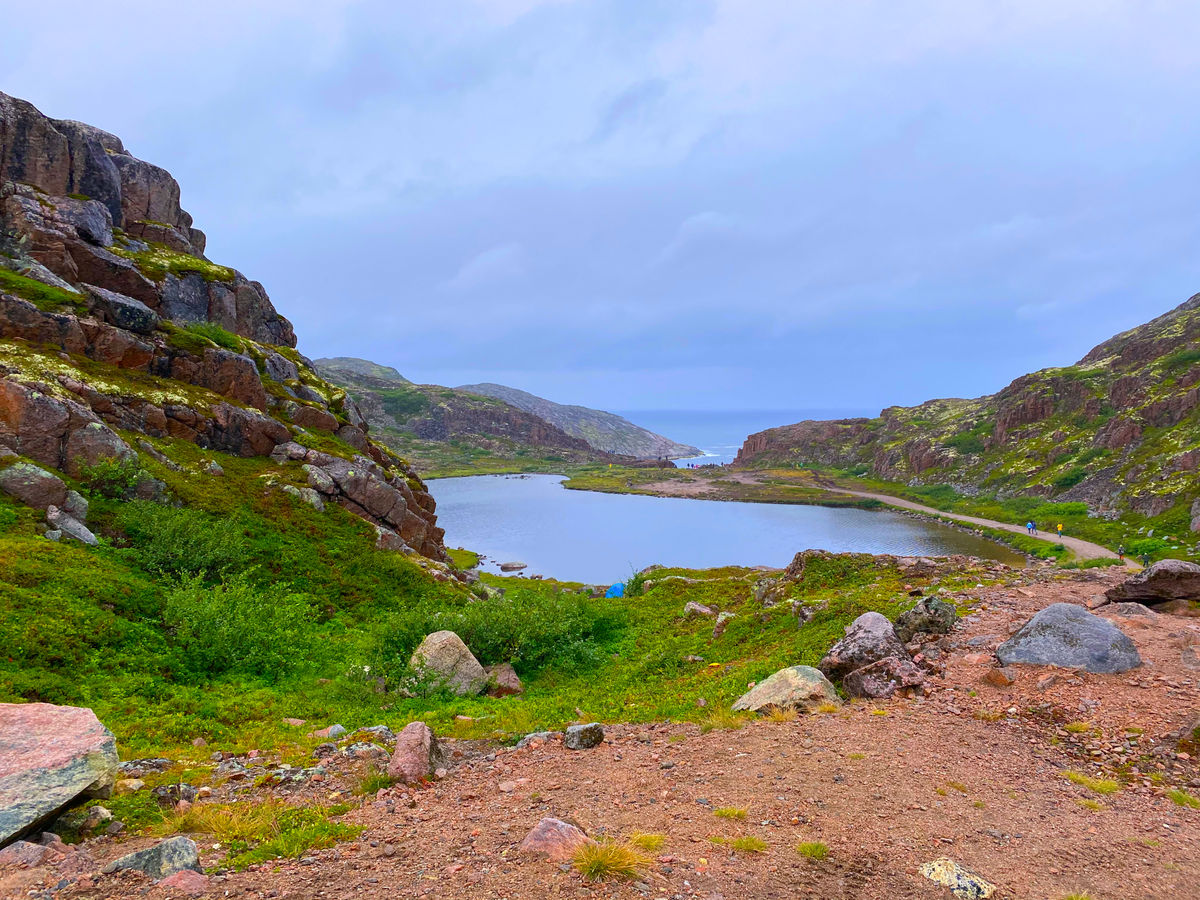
(1145, 560)
(1029, 527)
(1033, 525)
(1121, 552)
(1059, 527)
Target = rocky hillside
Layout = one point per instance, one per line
(1119, 430)
(604, 431)
(427, 423)
(120, 343)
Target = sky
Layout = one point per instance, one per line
(640, 204)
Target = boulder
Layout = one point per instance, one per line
(930, 615)
(1165, 580)
(723, 620)
(50, 756)
(445, 659)
(883, 678)
(186, 881)
(71, 527)
(92, 443)
(33, 486)
(796, 687)
(869, 638)
(503, 681)
(417, 753)
(553, 839)
(164, 859)
(22, 853)
(692, 609)
(583, 737)
(1196, 515)
(1069, 636)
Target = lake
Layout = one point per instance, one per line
(603, 538)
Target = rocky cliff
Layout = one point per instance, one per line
(1120, 430)
(118, 337)
(415, 419)
(603, 431)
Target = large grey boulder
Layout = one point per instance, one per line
(50, 756)
(1069, 636)
(930, 615)
(1166, 580)
(70, 526)
(124, 312)
(796, 687)
(165, 858)
(445, 660)
(869, 638)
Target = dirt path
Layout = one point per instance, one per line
(1082, 549)
(975, 772)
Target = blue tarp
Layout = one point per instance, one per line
(617, 590)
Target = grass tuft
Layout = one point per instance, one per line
(607, 861)
(1097, 785)
(746, 844)
(1089, 803)
(1183, 798)
(779, 716)
(730, 812)
(723, 720)
(647, 841)
(816, 850)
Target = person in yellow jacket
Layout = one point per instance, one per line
(1058, 527)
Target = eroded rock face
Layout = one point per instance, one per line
(796, 687)
(444, 659)
(869, 638)
(50, 756)
(1069, 636)
(1165, 580)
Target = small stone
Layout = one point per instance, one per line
(187, 881)
(507, 787)
(163, 859)
(129, 785)
(554, 840)
(1000, 676)
(584, 737)
(962, 882)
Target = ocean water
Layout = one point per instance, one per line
(720, 434)
(602, 538)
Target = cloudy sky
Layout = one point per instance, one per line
(696, 204)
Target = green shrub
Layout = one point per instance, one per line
(527, 627)
(1070, 478)
(111, 478)
(1146, 546)
(180, 541)
(966, 443)
(235, 626)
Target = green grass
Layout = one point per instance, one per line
(261, 831)
(463, 559)
(158, 261)
(814, 850)
(1096, 785)
(45, 297)
(1182, 798)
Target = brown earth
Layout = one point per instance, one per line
(974, 772)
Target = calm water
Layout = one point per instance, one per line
(720, 433)
(601, 538)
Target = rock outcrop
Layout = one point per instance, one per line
(1122, 426)
(417, 754)
(1166, 580)
(1066, 635)
(177, 854)
(869, 638)
(112, 319)
(50, 757)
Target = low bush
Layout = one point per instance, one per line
(181, 541)
(235, 626)
(111, 478)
